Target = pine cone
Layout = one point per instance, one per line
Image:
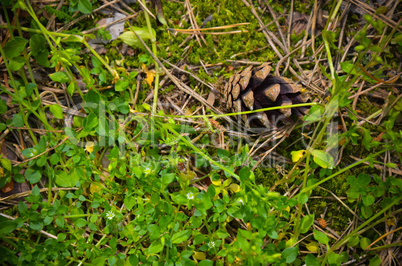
(255, 88)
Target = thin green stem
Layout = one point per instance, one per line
(154, 50)
(330, 63)
(51, 33)
(241, 113)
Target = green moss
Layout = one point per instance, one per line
(267, 177)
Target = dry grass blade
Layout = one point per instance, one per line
(145, 9)
(382, 17)
(194, 22)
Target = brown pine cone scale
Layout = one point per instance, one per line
(255, 88)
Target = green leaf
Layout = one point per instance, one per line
(314, 114)
(6, 163)
(376, 261)
(168, 178)
(121, 85)
(323, 159)
(349, 68)
(311, 260)
(367, 139)
(324, 72)
(223, 154)
(297, 155)
(155, 247)
(145, 58)
(54, 158)
(206, 263)
(272, 233)
(367, 211)
(57, 111)
(60, 222)
(98, 261)
(16, 63)
(353, 241)
(73, 38)
(359, 48)
(14, 47)
(84, 6)
(368, 200)
(129, 202)
(6, 227)
(290, 254)
(96, 62)
(159, 12)
(36, 225)
(48, 220)
(59, 77)
(37, 43)
(183, 129)
(330, 36)
(90, 122)
(3, 106)
(244, 174)
(80, 222)
(64, 179)
(344, 101)
(42, 58)
(29, 88)
(363, 180)
(61, 237)
(243, 244)
(306, 222)
(181, 236)
(22, 207)
(302, 198)
(397, 39)
(30, 152)
(321, 237)
(222, 234)
(36, 191)
(375, 48)
(364, 243)
(129, 37)
(35, 104)
(334, 259)
(33, 176)
(133, 260)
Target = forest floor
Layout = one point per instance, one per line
(120, 144)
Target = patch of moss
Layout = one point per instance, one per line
(267, 177)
